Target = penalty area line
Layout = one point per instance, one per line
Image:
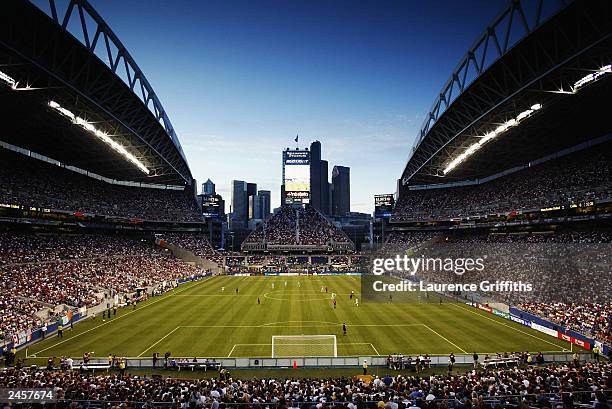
(158, 341)
(374, 348)
(446, 339)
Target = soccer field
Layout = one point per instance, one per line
(209, 318)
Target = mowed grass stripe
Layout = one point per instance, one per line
(89, 325)
(200, 320)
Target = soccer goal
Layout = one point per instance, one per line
(287, 346)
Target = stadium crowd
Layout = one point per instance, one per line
(531, 386)
(594, 319)
(297, 226)
(31, 182)
(42, 271)
(562, 267)
(569, 272)
(578, 177)
(400, 241)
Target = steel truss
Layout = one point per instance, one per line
(531, 57)
(73, 56)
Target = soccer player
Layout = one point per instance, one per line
(356, 302)
(222, 289)
(236, 290)
(272, 284)
(351, 296)
(258, 301)
(322, 288)
(334, 303)
(344, 328)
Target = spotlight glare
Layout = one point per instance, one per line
(83, 123)
(470, 150)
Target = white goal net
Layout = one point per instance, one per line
(287, 346)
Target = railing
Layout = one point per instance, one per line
(583, 398)
(318, 362)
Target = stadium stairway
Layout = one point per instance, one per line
(188, 257)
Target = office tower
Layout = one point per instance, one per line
(341, 191)
(239, 215)
(325, 196)
(251, 200)
(315, 174)
(208, 188)
(319, 183)
(251, 189)
(255, 207)
(265, 197)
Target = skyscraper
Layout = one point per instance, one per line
(325, 197)
(341, 190)
(240, 200)
(208, 188)
(315, 174)
(265, 198)
(319, 184)
(251, 199)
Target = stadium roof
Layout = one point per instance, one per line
(71, 91)
(529, 87)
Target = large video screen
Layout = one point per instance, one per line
(383, 205)
(296, 165)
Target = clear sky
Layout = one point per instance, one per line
(239, 79)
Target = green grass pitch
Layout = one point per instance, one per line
(200, 319)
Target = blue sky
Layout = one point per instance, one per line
(239, 79)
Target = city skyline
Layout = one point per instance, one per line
(240, 79)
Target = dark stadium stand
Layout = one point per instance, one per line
(545, 386)
(196, 243)
(569, 267)
(40, 272)
(579, 177)
(547, 224)
(593, 319)
(298, 228)
(31, 182)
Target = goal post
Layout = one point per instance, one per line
(288, 346)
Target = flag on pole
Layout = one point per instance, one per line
(297, 136)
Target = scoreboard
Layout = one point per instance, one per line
(383, 205)
(296, 176)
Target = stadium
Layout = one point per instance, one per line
(489, 284)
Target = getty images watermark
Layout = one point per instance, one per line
(436, 269)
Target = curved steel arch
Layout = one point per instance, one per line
(478, 59)
(137, 82)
